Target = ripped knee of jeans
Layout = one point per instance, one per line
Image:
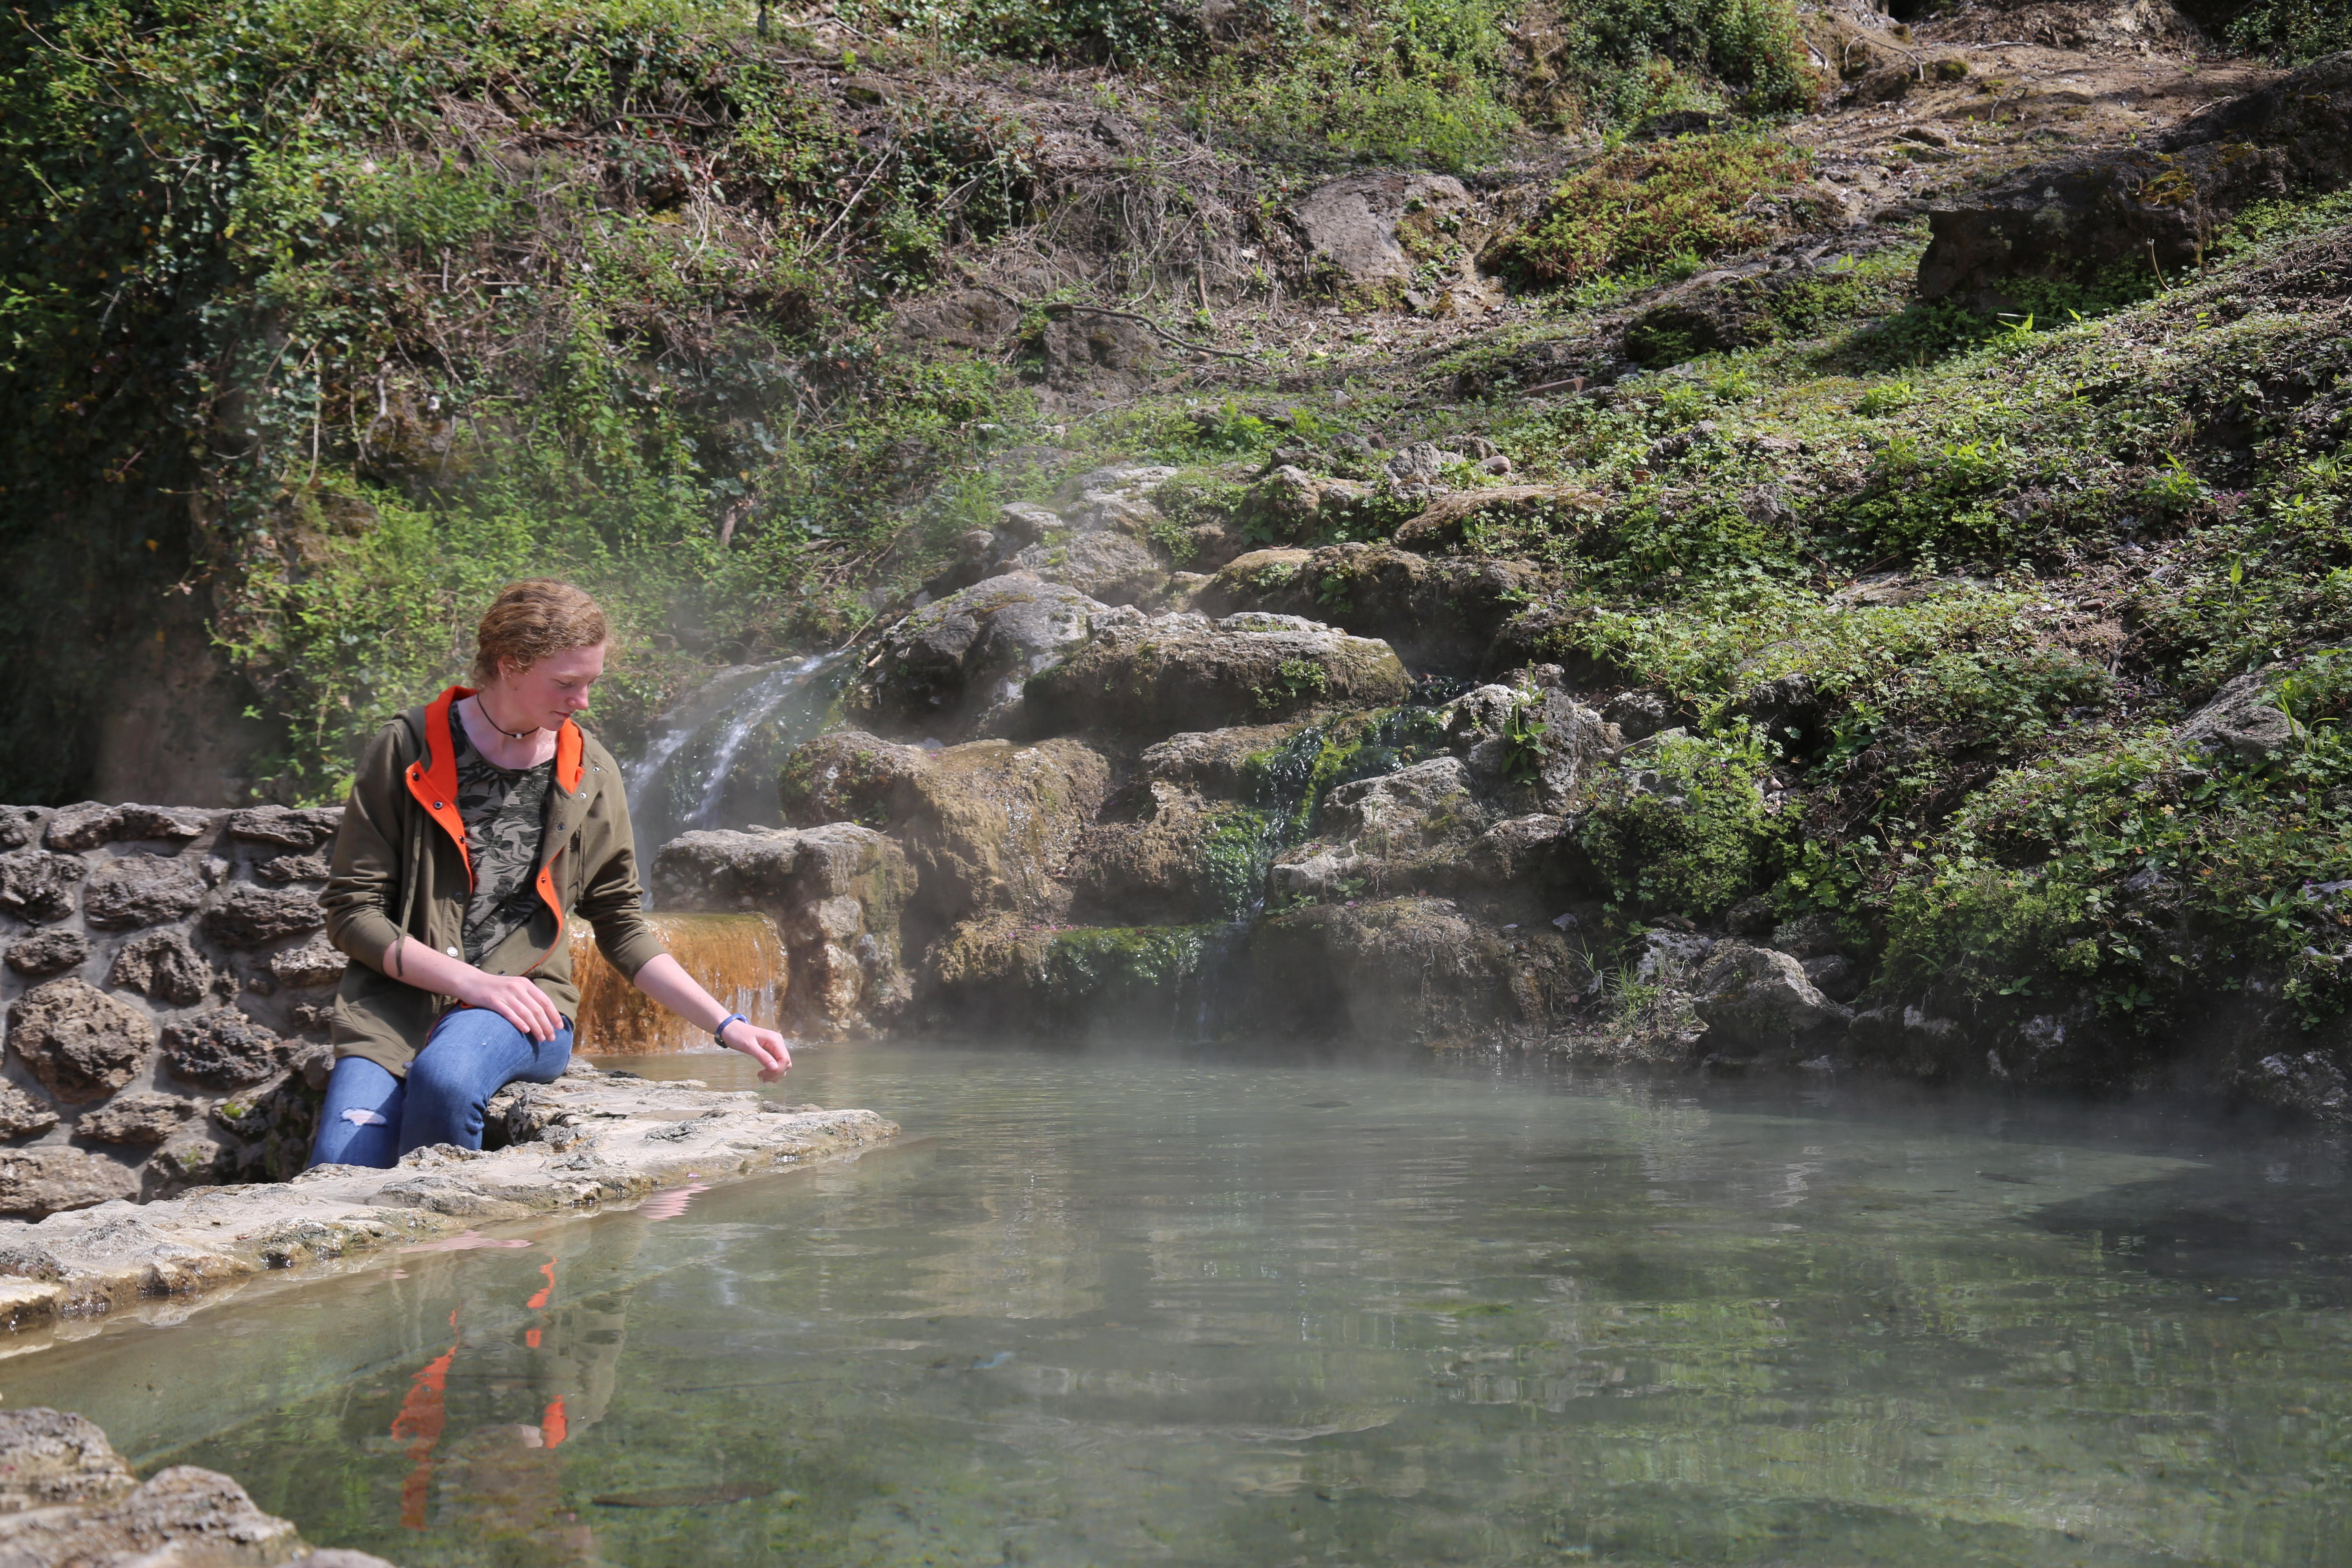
(358, 1116)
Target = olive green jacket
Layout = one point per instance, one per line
(402, 867)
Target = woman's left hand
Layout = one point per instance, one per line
(762, 1045)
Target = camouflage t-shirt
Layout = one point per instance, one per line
(505, 813)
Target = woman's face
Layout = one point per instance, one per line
(551, 690)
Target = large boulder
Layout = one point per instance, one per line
(144, 890)
(1176, 858)
(1215, 762)
(1361, 232)
(1438, 615)
(953, 670)
(37, 1183)
(1154, 676)
(989, 825)
(1410, 971)
(1755, 1000)
(834, 892)
(1540, 744)
(81, 1043)
(1291, 502)
(2166, 200)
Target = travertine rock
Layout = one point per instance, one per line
(164, 966)
(47, 1181)
(297, 829)
(81, 1043)
(316, 962)
(221, 1050)
(48, 1457)
(142, 890)
(1756, 999)
(954, 670)
(1158, 675)
(145, 1117)
(36, 885)
(49, 952)
(245, 915)
(20, 1113)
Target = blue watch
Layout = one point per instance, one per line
(719, 1029)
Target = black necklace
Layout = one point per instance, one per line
(484, 709)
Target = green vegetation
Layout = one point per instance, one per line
(1642, 208)
(1681, 825)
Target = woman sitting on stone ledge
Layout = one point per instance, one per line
(478, 825)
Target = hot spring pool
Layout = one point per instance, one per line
(1108, 1308)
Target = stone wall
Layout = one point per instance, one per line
(165, 978)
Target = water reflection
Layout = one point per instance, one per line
(1102, 1309)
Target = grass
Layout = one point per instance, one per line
(1645, 207)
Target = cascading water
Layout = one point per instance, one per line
(713, 759)
(739, 959)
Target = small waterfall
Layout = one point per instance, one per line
(713, 759)
(739, 959)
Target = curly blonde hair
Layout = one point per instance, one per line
(535, 620)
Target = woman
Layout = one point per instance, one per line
(478, 825)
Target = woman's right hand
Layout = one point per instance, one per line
(516, 1000)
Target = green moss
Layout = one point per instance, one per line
(1641, 207)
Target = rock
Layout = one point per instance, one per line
(1360, 232)
(221, 1050)
(835, 893)
(1906, 1039)
(143, 890)
(245, 915)
(1835, 976)
(954, 670)
(1531, 856)
(1755, 999)
(49, 952)
(1291, 503)
(20, 825)
(1187, 672)
(35, 885)
(295, 868)
(48, 1457)
(1638, 715)
(183, 1516)
(160, 822)
(84, 825)
(972, 319)
(136, 1118)
(1110, 568)
(81, 1043)
(1088, 351)
(2239, 720)
(164, 966)
(1450, 521)
(993, 826)
(1563, 746)
(1408, 971)
(1177, 859)
(1213, 762)
(1438, 615)
(315, 962)
(1407, 812)
(36, 1182)
(299, 829)
(20, 1113)
(2166, 199)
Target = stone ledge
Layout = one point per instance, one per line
(588, 1141)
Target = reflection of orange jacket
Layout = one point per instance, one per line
(402, 870)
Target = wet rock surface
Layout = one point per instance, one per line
(589, 1139)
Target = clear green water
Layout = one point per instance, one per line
(1107, 1310)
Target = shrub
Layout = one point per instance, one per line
(1680, 823)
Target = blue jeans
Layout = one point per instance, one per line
(372, 1118)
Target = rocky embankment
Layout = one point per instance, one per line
(69, 1501)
